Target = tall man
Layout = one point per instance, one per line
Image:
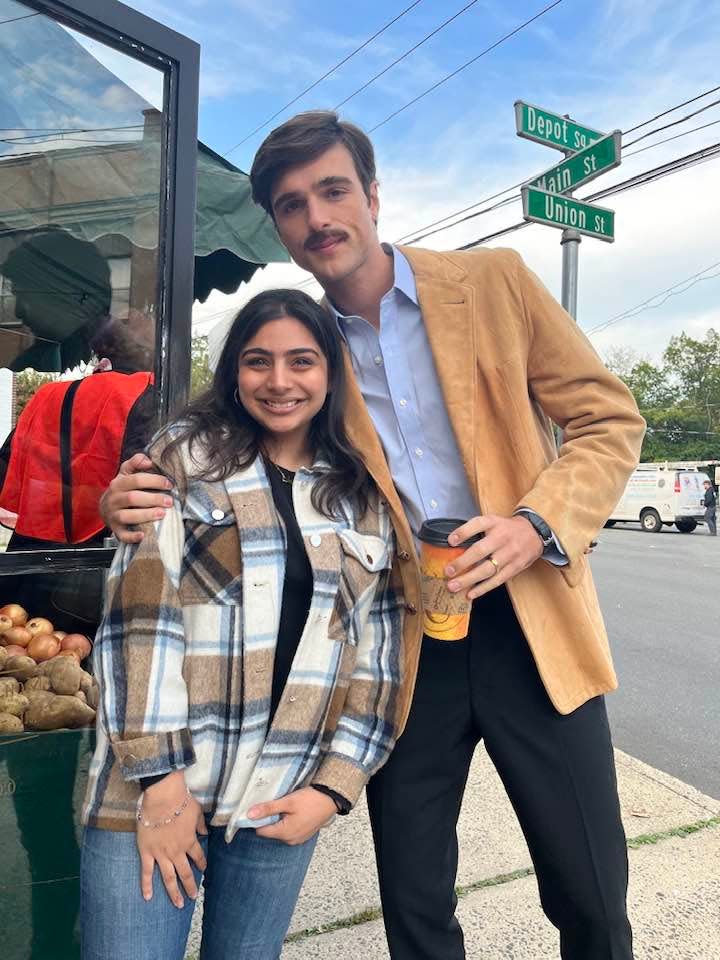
(460, 360)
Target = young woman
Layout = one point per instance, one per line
(249, 657)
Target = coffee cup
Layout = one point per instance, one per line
(446, 615)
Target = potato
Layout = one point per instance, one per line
(10, 723)
(36, 683)
(93, 696)
(22, 668)
(81, 696)
(38, 696)
(65, 675)
(56, 712)
(3, 656)
(87, 680)
(14, 703)
(9, 685)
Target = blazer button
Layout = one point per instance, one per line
(316, 540)
(217, 514)
(410, 608)
(403, 555)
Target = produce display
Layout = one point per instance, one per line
(42, 683)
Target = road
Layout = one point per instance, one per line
(660, 595)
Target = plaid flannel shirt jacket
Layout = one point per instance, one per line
(184, 654)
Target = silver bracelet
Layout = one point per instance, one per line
(152, 824)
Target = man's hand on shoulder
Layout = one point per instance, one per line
(135, 496)
(510, 545)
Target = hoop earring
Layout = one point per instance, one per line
(236, 397)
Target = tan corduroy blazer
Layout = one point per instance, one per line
(509, 360)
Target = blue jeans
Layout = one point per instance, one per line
(251, 887)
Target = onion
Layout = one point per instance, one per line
(17, 614)
(39, 625)
(5, 623)
(14, 650)
(77, 641)
(59, 634)
(17, 636)
(43, 647)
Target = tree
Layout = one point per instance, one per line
(680, 398)
(200, 373)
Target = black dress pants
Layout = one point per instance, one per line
(558, 772)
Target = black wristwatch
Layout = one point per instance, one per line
(541, 528)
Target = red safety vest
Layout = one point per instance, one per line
(33, 487)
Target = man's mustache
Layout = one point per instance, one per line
(320, 236)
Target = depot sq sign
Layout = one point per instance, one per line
(588, 154)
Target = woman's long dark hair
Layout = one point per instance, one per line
(231, 438)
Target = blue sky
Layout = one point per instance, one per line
(608, 63)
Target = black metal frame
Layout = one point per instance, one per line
(144, 39)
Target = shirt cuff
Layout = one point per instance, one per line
(553, 553)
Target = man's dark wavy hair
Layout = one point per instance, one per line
(302, 139)
(230, 439)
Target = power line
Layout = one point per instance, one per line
(664, 113)
(687, 284)
(405, 55)
(648, 176)
(464, 66)
(411, 237)
(677, 136)
(457, 213)
(674, 123)
(27, 16)
(332, 70)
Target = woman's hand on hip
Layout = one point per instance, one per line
(302, 814)
(170, 845)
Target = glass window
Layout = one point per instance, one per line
(81, 140)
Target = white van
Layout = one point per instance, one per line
(657, 495)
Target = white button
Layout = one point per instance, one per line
(403, 403)
(217, 514)
(418, 451)
(316, 540)
(292, 699)
(433, 504)
(378, 361)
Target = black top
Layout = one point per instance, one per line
(710, 499)
(297, 588)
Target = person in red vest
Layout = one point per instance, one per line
(66, 447)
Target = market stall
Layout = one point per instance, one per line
(102, 251)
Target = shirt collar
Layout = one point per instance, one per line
(403, 282)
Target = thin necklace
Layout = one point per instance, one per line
(283, 476)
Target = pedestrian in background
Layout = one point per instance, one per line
(710, 501)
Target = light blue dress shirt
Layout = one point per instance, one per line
(397, 378)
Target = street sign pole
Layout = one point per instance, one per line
(570, 246)
(570, 243)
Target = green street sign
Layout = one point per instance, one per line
(542, 126)
(582, 166)
(554, 210)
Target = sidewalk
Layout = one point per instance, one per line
(674, 838)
